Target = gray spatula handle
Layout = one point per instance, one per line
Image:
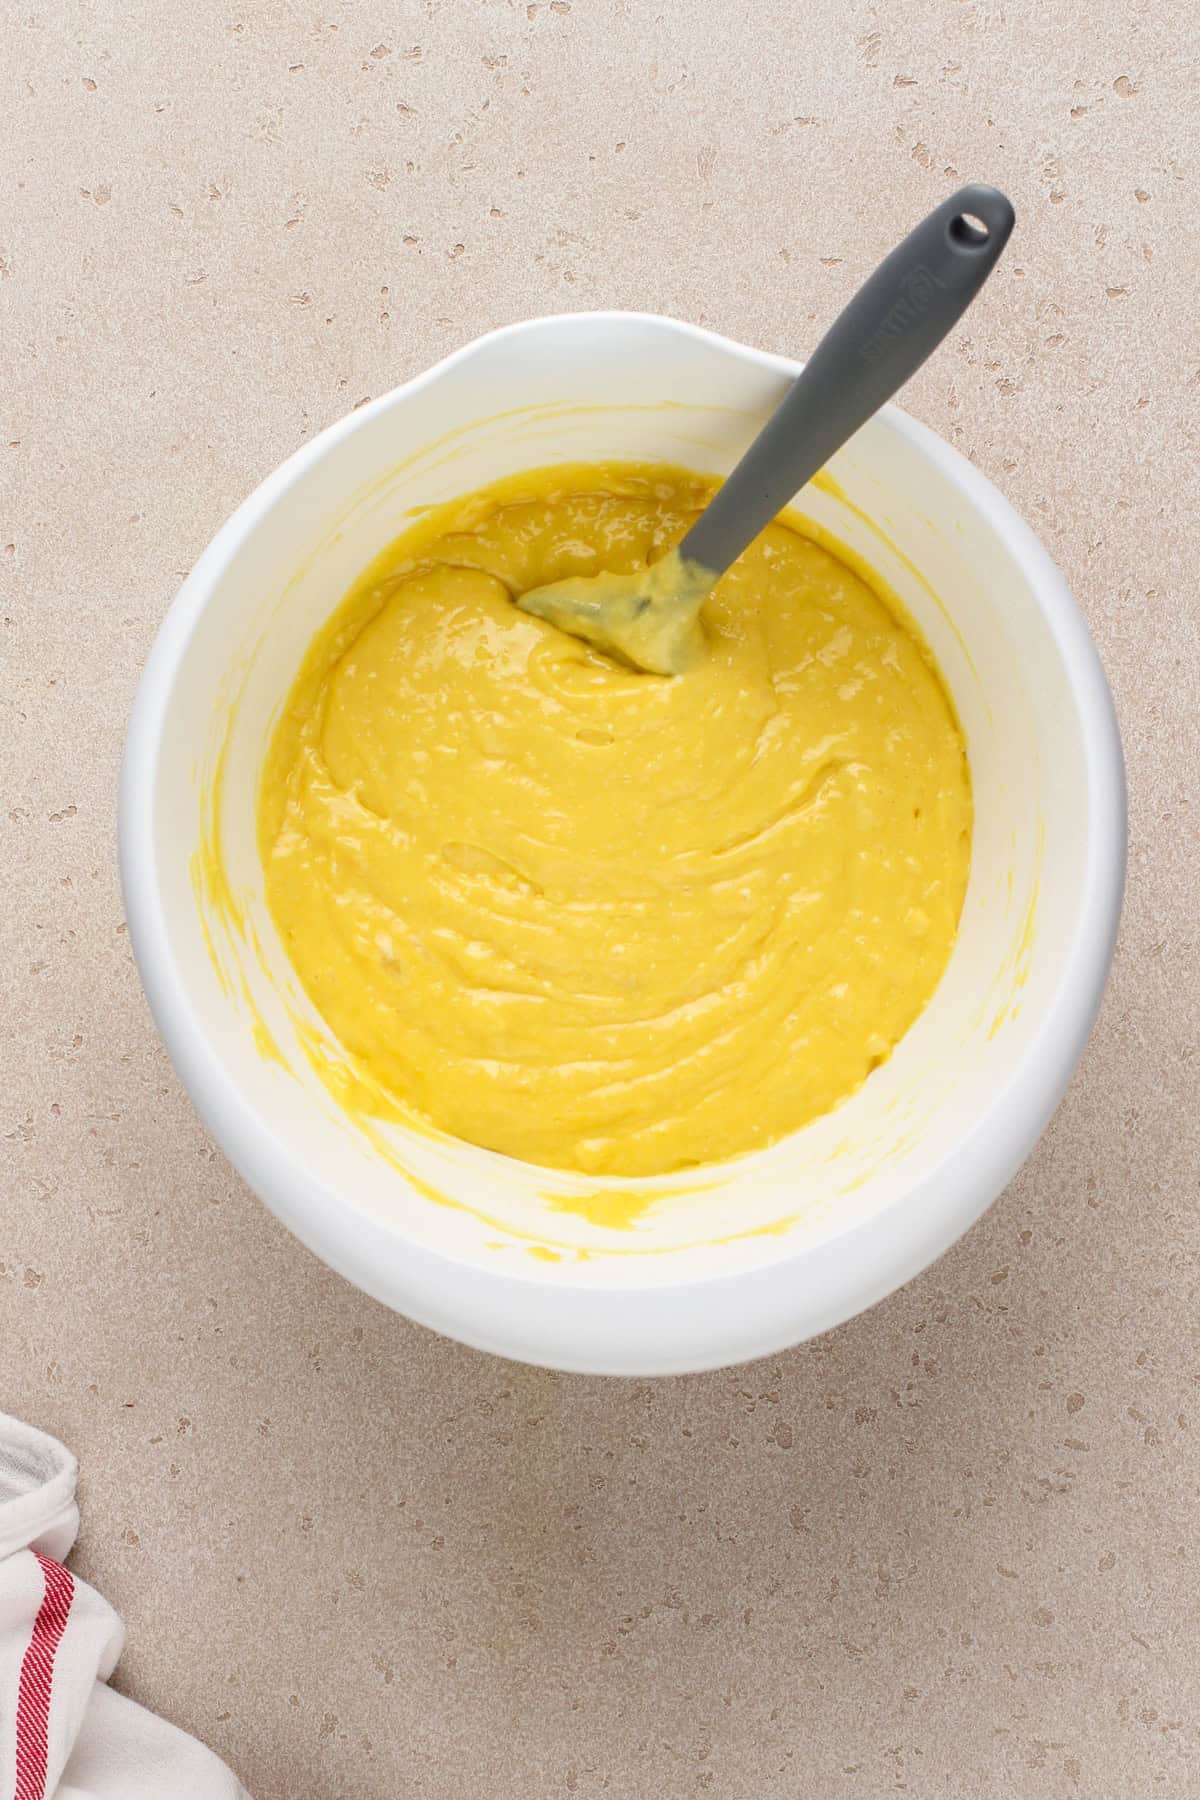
(914, 299)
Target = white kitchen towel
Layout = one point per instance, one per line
(63, 1732)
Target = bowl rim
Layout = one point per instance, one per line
(689, 1322)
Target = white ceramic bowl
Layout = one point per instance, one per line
(742, 1259)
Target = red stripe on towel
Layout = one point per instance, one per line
(37, 1675)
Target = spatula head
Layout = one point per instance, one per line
(650, 619)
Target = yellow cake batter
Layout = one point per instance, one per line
(599, 919)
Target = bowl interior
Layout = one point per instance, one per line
(616, 388)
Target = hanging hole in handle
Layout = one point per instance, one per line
(968, 231)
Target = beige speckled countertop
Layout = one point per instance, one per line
(946, 1550)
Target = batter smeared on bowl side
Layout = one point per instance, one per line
(595, 918)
